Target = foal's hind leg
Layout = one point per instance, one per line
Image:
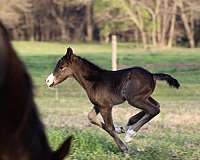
(151, 109)
(134, 119)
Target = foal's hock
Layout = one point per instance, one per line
(108, 88)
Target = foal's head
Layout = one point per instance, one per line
(63, 69)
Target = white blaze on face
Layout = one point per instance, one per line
(50, 80)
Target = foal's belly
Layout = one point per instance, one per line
(106, 97)
(117, 100)
(110, 101)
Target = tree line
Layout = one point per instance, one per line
(158, 23)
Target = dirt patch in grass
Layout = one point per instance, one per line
(180, 116)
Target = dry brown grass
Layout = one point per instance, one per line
(178, 116)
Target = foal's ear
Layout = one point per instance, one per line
(69, 52)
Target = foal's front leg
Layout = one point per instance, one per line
(107, 125)
(92, 116)
(106, 113)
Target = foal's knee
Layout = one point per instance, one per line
(155, 110)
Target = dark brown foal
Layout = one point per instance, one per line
(108, 88)
(22, 134)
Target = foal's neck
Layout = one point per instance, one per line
(86, 73)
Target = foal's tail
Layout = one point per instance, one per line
(166, 77)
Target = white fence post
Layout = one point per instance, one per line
(114, 52)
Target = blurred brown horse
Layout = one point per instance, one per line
(22, 135)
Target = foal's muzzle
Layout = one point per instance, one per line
(50, 80)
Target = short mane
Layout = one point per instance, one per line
(90, 64)
(94, 71)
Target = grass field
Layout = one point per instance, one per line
(174, 134)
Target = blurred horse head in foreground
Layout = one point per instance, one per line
(22, 134)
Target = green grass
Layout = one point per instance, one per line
(174, 134)
(91, 144)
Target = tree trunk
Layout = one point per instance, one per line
(164, 24)
(89, 21)
(144, 38)
(154, 31)
(61, 23)
(189, 32)
(107, 39)
(188, 29)
(172, 26)
(158, 21)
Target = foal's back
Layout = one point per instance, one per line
(137, 75)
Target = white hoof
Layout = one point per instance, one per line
(130, 133)
(119, 129)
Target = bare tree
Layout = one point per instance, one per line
(172, 26)
(187, 25)
(155, 23)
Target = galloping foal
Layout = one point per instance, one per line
(22, 135)
(108, 88)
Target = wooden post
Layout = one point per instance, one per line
(56, 94)
(114, 52)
